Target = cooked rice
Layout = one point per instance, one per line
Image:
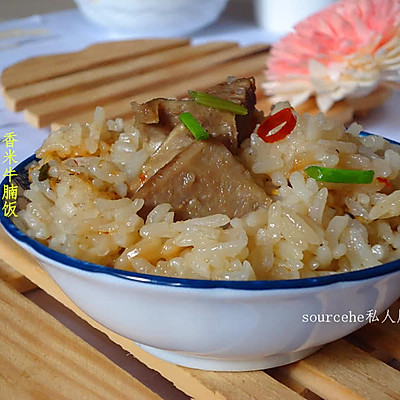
(310, 229)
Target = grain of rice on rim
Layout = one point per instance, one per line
(310, 229)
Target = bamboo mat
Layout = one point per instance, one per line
(365, 365)
(41, 359)
(14, 278)
(59, 89)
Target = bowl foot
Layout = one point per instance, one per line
(215, 364)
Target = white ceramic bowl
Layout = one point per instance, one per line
(280, 16)
(152, 17)
(219, 325)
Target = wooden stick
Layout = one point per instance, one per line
(333, 374)
(375, 99)
(41, 359)
(19, 98)
(14, 278)
(45, 67)
(44, 113)
(380, 337)
(393, 85)
(204, 78)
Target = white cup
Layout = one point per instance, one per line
(280, 16)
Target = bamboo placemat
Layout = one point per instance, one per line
(363, 366)
(14, 278)
(41, 359)
(60, 89)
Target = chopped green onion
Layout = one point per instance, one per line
(208, 100)
(340, 175)
(194, 126)
(44, 172)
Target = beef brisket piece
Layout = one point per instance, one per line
(177, 141)
(162, 115)
(204, 178)
(243, 92)
(199, 178)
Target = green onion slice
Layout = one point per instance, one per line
(194, 126)
(208, 100)
(340, 175)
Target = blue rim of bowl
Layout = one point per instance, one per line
(302, 283)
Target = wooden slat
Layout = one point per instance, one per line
(14, 278)
(381, 337)
(290, 383)
(41, 359)
(366, 103)
(201, 385)
(121, 108)
(45, 67)
(44, 113)
(277, 374)
(245, 385)
(342, 371)
(21, 97)
(340, 112)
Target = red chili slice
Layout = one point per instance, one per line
(385, 181)
(142, 178)
(271, 122)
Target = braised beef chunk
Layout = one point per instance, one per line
(162, 115)
(178, 140)
(243, 92)
(203, 179)
(199, 178)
